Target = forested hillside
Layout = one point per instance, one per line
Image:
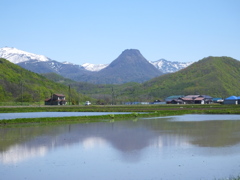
(214, 76)
(18, 84)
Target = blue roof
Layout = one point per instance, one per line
(215, 99)
(232, 98)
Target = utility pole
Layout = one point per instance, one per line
(112, 95)
(39, 98)
(21, 92)
(69, 91)
(21, 87)
(51, 98)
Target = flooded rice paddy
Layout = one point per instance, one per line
(174, 147)
(53, 114)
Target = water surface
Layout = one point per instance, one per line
(52, 114)
(175, 147)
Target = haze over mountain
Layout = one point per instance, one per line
(127, 68)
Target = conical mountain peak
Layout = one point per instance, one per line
(129, 65)
(135, 52)
(129, 57)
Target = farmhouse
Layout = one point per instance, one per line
(56, 99)
(197, 99)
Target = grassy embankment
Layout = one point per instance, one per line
(136, 111)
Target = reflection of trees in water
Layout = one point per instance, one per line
(128, 137)
(203, 133)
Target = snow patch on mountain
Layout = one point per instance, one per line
(94, 67)
(169, 66)
(66, 62)
(17, 56)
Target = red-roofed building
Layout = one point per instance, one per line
(197, 99)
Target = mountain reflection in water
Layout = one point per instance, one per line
(131, 140)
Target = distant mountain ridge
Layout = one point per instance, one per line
(87, 72)
(51, 66)
(170, 66)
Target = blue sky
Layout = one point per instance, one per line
(97, 31)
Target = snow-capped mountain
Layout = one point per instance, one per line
(169, 66)
(17, 56)
(37, 63)
(94, 67)
(95, 73)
